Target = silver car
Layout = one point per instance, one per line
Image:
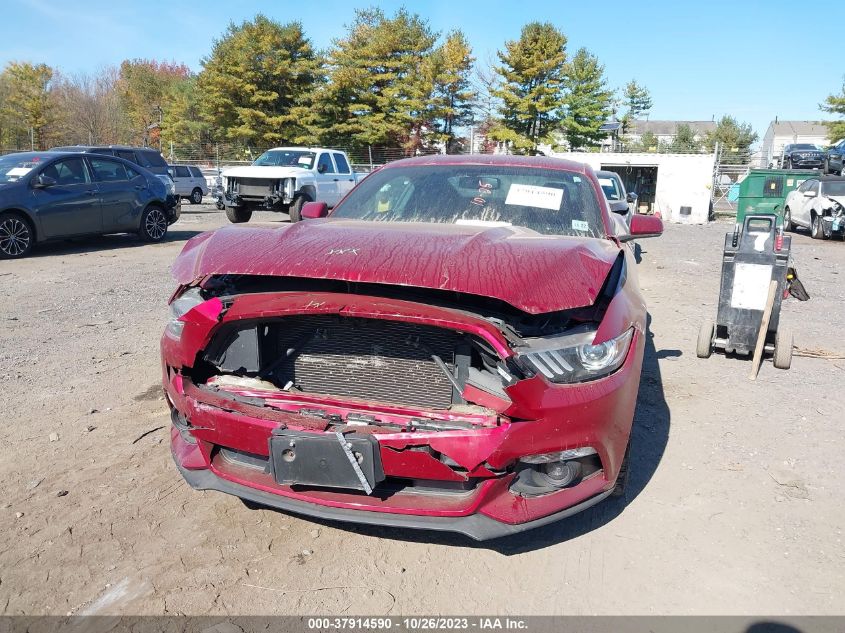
(619, 201)
(189, 182)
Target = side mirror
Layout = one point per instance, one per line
(321, 169)
(43, 181)
(643, 226)
(620, 207)
(314, 210)
(631, 197)
(809, 194)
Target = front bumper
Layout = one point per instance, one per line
(469, 491)
(807, 163)
(476, 526)
(173, 208)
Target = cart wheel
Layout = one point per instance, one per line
(783, 349)
(705, 340)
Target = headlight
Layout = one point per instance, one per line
(573, 358)
(187, 300)
(168, 183)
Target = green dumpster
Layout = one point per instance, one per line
(765, 190)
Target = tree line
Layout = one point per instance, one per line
(388, 81)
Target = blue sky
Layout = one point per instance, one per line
(698, 59)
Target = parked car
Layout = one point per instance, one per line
(284, 179)
(53, 195)
(189, 182)
(618, 199)
(456, 347)
(818, 205)
(802, 156)
(146, 157)
(834, 162)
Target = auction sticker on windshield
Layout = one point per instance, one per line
(531, 196)
(19, 171)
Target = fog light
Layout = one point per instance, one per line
(561, 473)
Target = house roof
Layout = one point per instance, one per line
(798, 128)
(669, 128)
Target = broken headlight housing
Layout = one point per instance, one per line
(573, 358)
(189, 299)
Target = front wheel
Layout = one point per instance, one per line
(817, 228)
(16, 236)
(787, 163)
(196, 196)
(153, 224)
(787, 219)
(704, 347)
(783, 349)
(236, 215)
(295, 210)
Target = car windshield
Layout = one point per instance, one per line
(834, 188)
(286, 158)
(610, 188)
(551, 202)
(806, 146)
(15, 166)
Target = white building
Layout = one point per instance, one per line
(666, 131)
(782, 133)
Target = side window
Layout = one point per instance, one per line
(131, 173)
(108, 170)
(324, 165)
(804, 186)
(182, 171)
(342, 164)
(195, 172)
(70, 171)
(814, 186)
(126, 155)
(151, 158)
(105, 151)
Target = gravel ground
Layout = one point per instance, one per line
(735, 505)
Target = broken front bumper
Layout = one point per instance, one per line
(453, 479)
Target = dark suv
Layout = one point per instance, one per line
(802, 156)
(147, 157)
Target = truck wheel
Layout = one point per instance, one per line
(787, 219)
(783, 349)
(705, 340)
(236, 215)
(817, 228)
(196, 195)
(295, 210)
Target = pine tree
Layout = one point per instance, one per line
(588, 101)
(733, 137)
(637, 102)
(379, 84)
(254, 85)
(835, 104)
(531, 90)
(453, 98)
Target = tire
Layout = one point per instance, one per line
(236, 215)
(295, 210)
(153, 224)
(705, 340)
(783, 349)
(16, 236)
(624, 472)
(196, 196)
(816, 228)
(787, 163)
(787, 219)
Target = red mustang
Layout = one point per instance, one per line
(456, 347)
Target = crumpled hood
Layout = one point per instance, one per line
(534, 273)
(258, 171)
(839, 199)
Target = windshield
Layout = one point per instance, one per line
(610, 188)
(807, 146)
(286, 158)
(548, 201)
(13, 167)
(835, 188)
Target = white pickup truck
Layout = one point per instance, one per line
(285, 178)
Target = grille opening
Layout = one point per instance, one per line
(371, 359)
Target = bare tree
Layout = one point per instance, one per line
(90, 108)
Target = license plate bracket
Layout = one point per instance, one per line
(299, 458)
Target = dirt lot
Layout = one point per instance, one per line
(735, 506)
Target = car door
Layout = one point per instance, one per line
(72, 205)
(345, 177)
(198, 180)
(120, 189)
(809, 190)
(327, 180)
(837, 156)
(182, 180)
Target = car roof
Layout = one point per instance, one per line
(603, 173)
(52, 153)
(504, 160)
(85, 148)
(832, 178)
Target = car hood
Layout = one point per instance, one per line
(532, 272)
(259, 171)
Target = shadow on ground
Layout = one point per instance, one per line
(649, 438)
(97, 243)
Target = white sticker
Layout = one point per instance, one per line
(606, 182)
(487, 223)
(789, 182)
(751, 286)
(19, 171)
(580, 225)
(530, 196)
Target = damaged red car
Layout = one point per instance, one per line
(457, 346)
